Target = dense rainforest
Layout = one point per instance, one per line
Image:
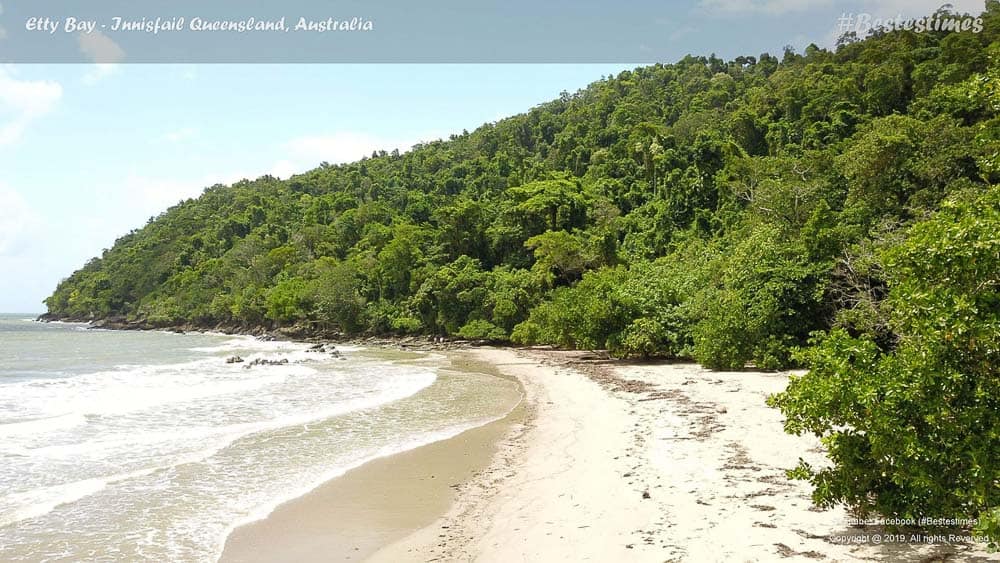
(835, 210)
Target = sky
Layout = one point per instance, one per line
(89, 152)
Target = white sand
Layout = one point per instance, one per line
(569, 484)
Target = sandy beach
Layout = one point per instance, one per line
(601, 462)
(659, 462)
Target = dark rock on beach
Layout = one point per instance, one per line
(325, 347)
(266, 362)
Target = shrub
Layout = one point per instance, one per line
(766, 300)
(406, 325)
(914, 430)
(480, 329)
(644, 337)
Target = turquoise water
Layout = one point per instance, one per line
(149, 446)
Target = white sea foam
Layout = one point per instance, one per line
(41, 425)
(40, 501)
(223, 436)
(123, 398)
(235, 343)
(134, 388)
(37, 502)
(188, 441)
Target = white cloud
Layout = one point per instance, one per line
(338, 147)
(144, 196)
(681, 32)
(773, 7)
(182, 134)
(285, 169)
(918, 8)
(18, 222)
(188, 72)
(98, 72)
(103, 51)
(23, 101)
(149, 196)
(99, 48)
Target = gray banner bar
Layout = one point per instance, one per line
(322, 31)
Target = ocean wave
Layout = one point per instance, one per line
(41, 425)
(110, 402)
(132, 388)
(222, 436)
(224, 440)
(42, 500)
(38, 502)
(235, 343)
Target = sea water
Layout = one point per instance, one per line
(122, 445)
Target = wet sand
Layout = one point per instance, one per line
(352, 516)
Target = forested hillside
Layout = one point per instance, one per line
(835, 210)
(719, 210)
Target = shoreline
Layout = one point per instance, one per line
(610, 460)
(295, 334)
(351, 516)
(292, 333)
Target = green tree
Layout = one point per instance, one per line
(560, 201)
(450, 295)
(336, 292)
(914, 429)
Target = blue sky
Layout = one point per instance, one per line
(88, 152)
